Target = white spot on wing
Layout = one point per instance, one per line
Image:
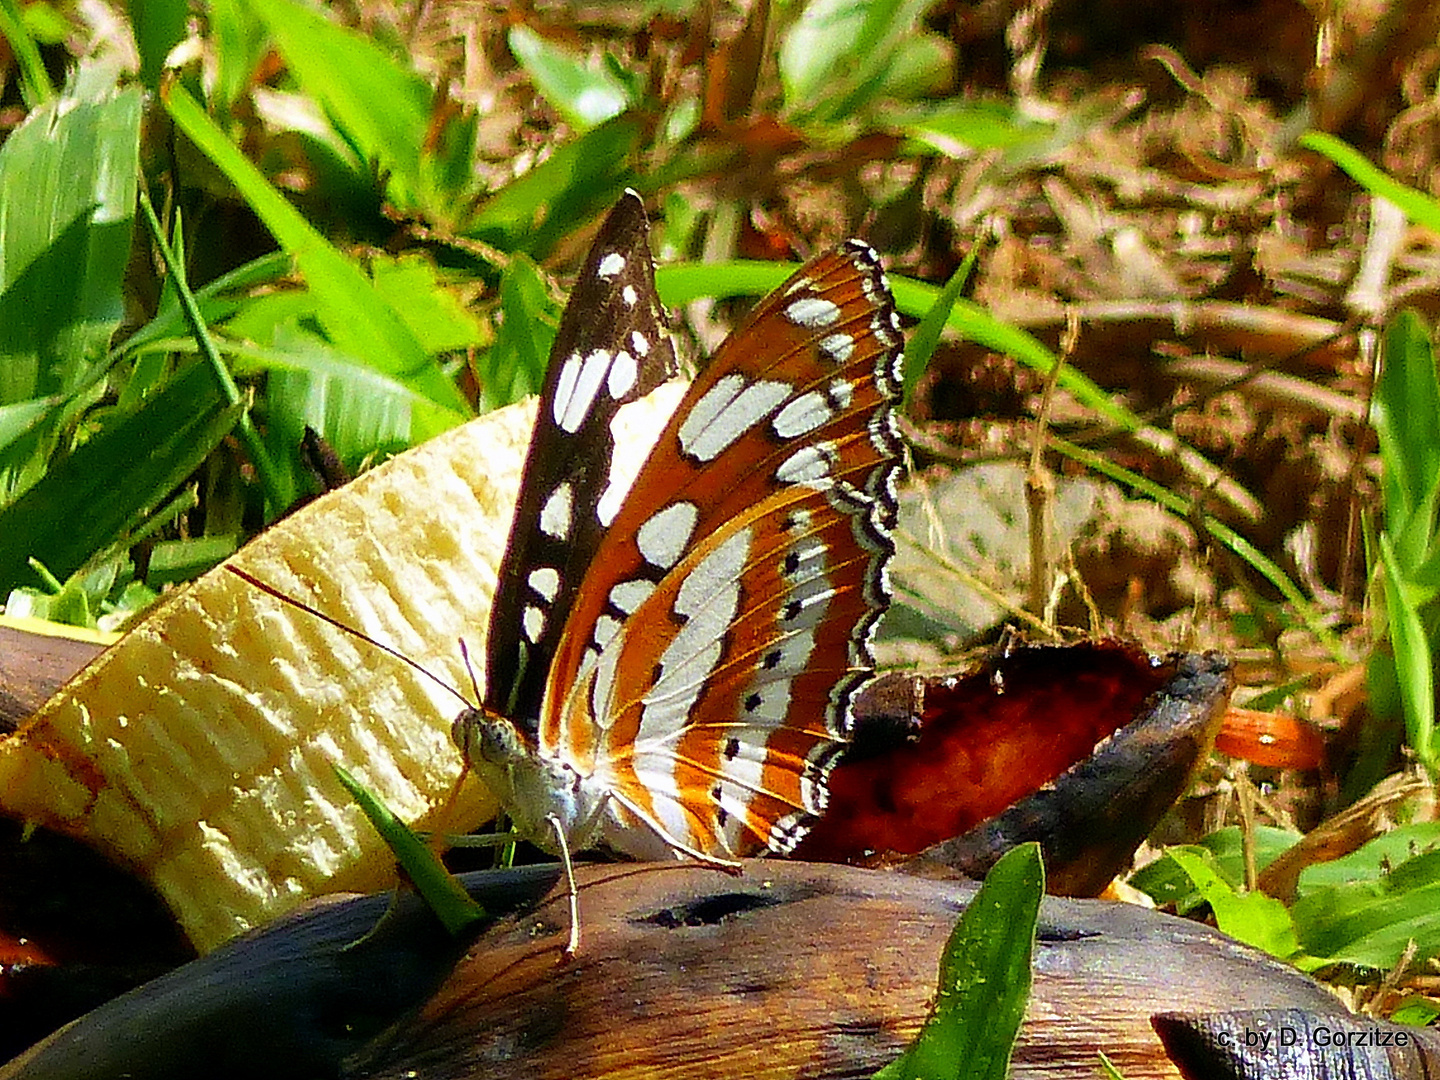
(579, 382)
(629, 595)
(805, 466)
(663, 538)
(533, 623)
(802, 415)
(640, 343)
(557, 515)
(606, 628)
(813, 312)
(838, 347)
(629, 295)
(611, 265)
(545, 580)
(726, 412)
(621, 378)
(708, 599)
(610, 501)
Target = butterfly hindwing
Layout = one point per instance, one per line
(707, 668)
(611, 348)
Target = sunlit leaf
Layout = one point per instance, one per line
(89, 499)
(578, 182)
(355, 315)
(837, 55)
(446, 897)
(1254, 918)
(1414, 662)
(584, 94)
(67, 208)
(984, 979)
(1417, 206)
(381, 105)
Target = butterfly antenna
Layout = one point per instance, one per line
(396, 653)
(470, 668)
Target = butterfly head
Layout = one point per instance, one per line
(531, 785)
(486, 738)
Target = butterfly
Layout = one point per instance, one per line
(670, 672)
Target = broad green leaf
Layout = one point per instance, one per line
(1223, 851)
(173, 561)
(356, 411)
(1414, 662)
(434, 313)
(584, 94)
(355, 315)
(446, 897)
(1417, 1011)
(1374, 860)
(1254, 918)
(921, 66)
(961, 128)
(67, 208)
(1418, 207)
(88, 500)
(381, 105)
(1370, 922)
(984, 979)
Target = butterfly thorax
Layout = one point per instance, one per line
(531, 784)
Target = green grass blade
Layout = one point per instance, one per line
(1222, 532)
(89, 499)
(159, 26)
(214, 300)
(984, 979)
(1418, 207)
(259, 456)
(381, 105)
(355, 314)
(35, 86)
(925, 337)
(1406, 415)
(1414, 662)
(451, 904)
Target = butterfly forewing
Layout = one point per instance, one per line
(708, 664)
(611, 348)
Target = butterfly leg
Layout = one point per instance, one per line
(573, 945)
